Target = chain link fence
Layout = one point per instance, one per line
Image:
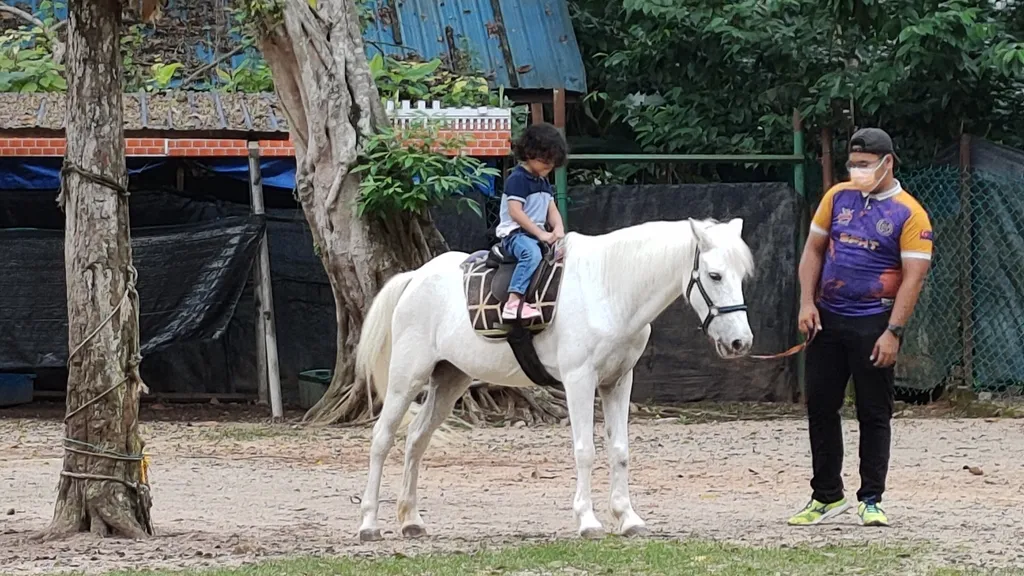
(968, 328)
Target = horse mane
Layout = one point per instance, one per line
(634, 250)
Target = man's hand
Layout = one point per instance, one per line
(547, 237)
(558, 232)
(886, 349)
(809, 320)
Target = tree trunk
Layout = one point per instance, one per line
(323, 81)
(103, 486)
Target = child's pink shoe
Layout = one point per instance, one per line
(529, 311)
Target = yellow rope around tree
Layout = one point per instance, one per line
(131, 296)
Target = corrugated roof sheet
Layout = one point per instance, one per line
(527, 44)
(163, 111)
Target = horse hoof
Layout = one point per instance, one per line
(638, 531)
(370, 535)
(592, 533)
(413, 531)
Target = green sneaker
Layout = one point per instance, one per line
(816, 512)
(871, 514)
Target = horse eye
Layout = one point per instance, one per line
(715, 276)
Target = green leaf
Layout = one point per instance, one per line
(163, 73)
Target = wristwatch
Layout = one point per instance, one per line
(897, 331)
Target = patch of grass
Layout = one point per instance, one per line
(609, 557)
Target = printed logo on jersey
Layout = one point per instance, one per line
(845, 216)
(885, 227)
(926, 235)
(847, 238)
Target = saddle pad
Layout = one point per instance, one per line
(485, 308)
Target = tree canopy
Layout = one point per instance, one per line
(724, 76)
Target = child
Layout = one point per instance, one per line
(527, 207)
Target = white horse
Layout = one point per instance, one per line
(417, 333)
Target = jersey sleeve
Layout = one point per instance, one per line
(916, 237)
(822, 221)
(517, 188)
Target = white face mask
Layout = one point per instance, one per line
(866, 179)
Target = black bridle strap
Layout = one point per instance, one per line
(713, 311)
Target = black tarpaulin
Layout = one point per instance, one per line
(679, 364)
(190, 279)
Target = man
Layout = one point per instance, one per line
(870, 247)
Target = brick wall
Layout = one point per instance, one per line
(479, 143)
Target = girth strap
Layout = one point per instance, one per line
(521, 341)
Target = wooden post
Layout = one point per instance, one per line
(965, 257)
(263, 386)
(536, 113)
(827, 178)
(265, 296)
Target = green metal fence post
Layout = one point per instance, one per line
(562, 194)
(561, 174)
(801, 231)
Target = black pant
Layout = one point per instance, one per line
(843, 348)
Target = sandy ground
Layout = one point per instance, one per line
(229, 493)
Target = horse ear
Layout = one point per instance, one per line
(703, 240)
(736, 225)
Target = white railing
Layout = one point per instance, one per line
(464, 118)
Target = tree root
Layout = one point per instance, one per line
(104, 509)
(484, 404)
(481, 405)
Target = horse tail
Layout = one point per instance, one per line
(373, 353)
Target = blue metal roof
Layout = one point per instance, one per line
(527, 44)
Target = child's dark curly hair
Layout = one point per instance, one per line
(542, 142)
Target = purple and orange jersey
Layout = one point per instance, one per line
(869, 237)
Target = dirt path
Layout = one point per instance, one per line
(234, 493)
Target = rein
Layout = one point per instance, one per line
(713, 311)
(794, 350)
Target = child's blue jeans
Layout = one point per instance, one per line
(526, 250)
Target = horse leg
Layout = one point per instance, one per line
(579, 396)
(615, 400)
(447, 385)
(406, 376)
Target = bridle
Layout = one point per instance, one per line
(713, 311)
(716, 311)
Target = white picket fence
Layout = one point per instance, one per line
(463, 119)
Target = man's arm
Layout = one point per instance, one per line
(811, 263)
(555, 219)
(916, 249)
(813, 257)
(914, 272)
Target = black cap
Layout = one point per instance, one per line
(872, 141)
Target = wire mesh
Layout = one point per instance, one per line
(968, 327)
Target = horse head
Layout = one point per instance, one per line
(721, 261)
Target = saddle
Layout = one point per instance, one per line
(485, 277)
